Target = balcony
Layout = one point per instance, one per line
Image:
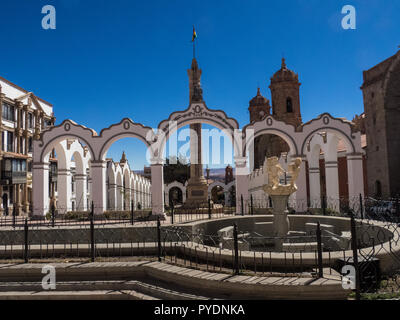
(13, 171)
(10, 177)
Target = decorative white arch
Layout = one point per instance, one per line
(175, 184)
(97, 146)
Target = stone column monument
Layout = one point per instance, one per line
(197, 184)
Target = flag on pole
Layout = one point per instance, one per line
(194, 34)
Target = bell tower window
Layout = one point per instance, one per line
(289, 105)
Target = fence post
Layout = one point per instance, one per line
(209, 208)
(319, 241)
(323, 205)
(251, 204)
(172, 212)
(241, 205)
(26, 240)
(14, 214)
(236, 248)
(159, 238)
(132, 212)
(361, 208)
(92, 244)
(355, 254)
(53, 215)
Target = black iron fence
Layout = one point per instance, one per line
(372, 250)
(362, 207)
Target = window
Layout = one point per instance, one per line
(17, 165)
(47, 123)
(30, 144)
(8, 112)
(72, 184)
(21, 143)
(10, 141)
(30, 120)
(289, 105)
(378, 189)
(2, 141)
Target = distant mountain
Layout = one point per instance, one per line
(215, 173)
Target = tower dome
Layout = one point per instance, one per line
(259, 107)
(285, 95)
(258, 100)
(284, 74)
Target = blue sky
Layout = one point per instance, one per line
(113, 59)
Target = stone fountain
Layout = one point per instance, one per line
(279, 194)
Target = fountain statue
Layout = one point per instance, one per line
(279, 194)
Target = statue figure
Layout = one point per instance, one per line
(274, 171)
(294, 170)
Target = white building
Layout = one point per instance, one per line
(23, 116)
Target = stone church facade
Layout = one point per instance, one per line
(381, 93)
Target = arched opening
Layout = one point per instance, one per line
(289, 105)
(68, 160)
(128, 174)
(329, 165)
(218, 194)
(183, 164)
(267, 143)
(175, 196)
(266, 146)
(378, 189)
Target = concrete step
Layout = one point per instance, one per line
(75, 295)
(148, 290)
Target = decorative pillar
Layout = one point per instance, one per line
(26, 132)
(37, 125)
(18, 129)
(332, 185)
(136, 198)
(81, 192)
(315, 187)
(64, 190)
(2, 95)
(120, 197)
(242, 183)
(157, 188)
(18, 196)
(127, 198)
(355, 177)
(112, 193)
(301, 183)
(98, 186)
(40, 179)
(26, 199)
